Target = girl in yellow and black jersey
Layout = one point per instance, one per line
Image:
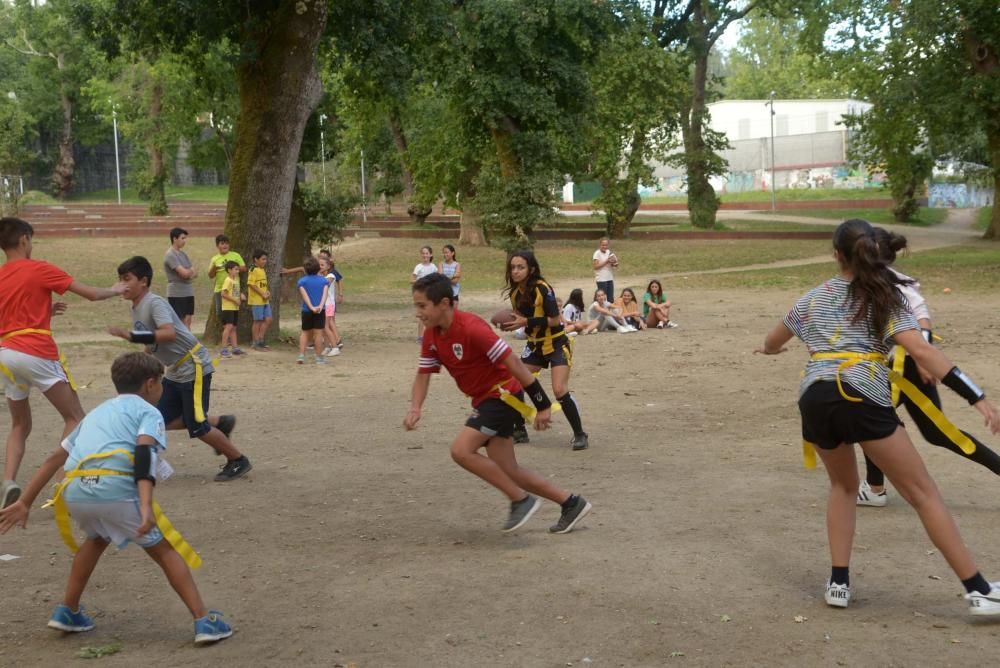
(534, 302)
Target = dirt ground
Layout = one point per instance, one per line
(353, 542)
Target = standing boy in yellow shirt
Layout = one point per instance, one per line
(258, 297)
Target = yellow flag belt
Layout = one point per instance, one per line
(48, 332)
(199, 379)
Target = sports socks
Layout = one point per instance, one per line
(572, 412)
(841, 575)
(977, 583)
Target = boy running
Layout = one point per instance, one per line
(186, 387)
(485, 368)
(28, 353)
(122, 439)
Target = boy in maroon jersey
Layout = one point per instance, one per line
(484, 367)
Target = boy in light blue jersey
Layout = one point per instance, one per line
(112, 463)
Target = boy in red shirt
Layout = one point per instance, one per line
(28, 353)
(485, 368)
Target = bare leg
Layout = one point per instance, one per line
(179, 576)
(501, 451)
(842, 469)
(303, 340)
(318, 341)
(214, 438)
(901, 463)
(83, 566)
(465, 452)
(20, 428)
(65, 400)
(187, 320)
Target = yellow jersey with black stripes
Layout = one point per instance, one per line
(542, 303)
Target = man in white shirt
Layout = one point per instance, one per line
(604, 263)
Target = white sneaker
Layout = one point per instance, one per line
(326, 351)
(331, 352)
(985, 604)
(838, 595)
(866, 497)
(672, 325)
(571, 334)
(659, 325)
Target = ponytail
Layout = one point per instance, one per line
(889, 244)
(873, 288)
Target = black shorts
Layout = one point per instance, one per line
(494, 418)
(562, 354)
(183, 306)
(230, 317)
(177, 401)
(312, 320)
(829, 420)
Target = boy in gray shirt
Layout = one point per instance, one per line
(187, 382)
(180, 274)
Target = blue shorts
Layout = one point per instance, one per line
(261, 312)
(178, 402)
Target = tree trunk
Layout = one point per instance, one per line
(297, 249)
(702, 202)
(620, 221)
(985, 59)
(157, 170)
(470, 227)
(62, 177)
(402, 152)
(993, 231)
(278, 92)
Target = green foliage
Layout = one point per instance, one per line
(15, 132)
(326, 215)
(513, 207)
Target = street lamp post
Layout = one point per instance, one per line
(118, 174)
(770, 103)
(322, 149)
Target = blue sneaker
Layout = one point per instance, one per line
(211, 628)
(66, 620)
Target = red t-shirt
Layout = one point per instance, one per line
(26, 288)
(471, 352)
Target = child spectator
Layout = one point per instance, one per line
(28, 353)
(124, 436)
(572, 315)
(258, 298)
(451, 268)
(604, 263)
(486, 369)
(426, 267)
(330, 330)
(602, 312)
(180, 274)
(312, 290)
(187, 383)
(217, 268)
(231, 308)
(628, 308)
(656, 306)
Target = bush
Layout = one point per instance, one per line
(326, 214)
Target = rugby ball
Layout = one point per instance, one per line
(503, 316)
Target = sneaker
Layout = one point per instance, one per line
(9, 493)
(672, 325)
(226, 424)
(659, 325)
(521, 435)
(333, 352)
(866, 497)
(570, 516)
(340, 345)
(66, 620)
(838, 595)
(301, 359)
(233, 469)
(520, 512)
(571, 334)
(326, 351)
(225, 353)
(985, 604)
(211, 628)
(581, 441)
(263, 347)
(320, 359)
(238, 351)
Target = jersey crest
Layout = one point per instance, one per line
(456, 349)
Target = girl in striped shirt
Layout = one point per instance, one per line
(848, 325)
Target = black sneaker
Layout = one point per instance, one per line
(520, 512)
(521, 435)
(580, 441)
(233, 469)
(572, 515)
(226, 424)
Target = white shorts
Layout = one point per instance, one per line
(331, 309)
(114, 521)
(29, 371)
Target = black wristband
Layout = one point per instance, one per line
(540, 321)
(142, 337)
(538, 396)
(928, 335)
(143, 464)
(963, 386)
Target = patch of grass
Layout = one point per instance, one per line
(808, 195)
(679, 223)
(983, 217)
(925, 216)
(213, 194)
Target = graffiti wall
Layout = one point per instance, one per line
(959, 196)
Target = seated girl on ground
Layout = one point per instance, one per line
(572, 315)
(603, 313)
(656, 306)
(629, 309)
